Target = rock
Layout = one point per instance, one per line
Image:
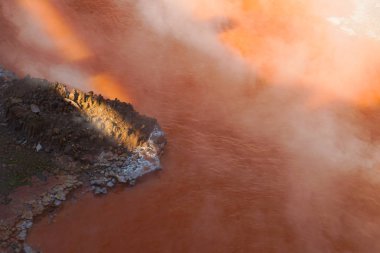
(60, 196)
(110, 184)
(38, 147)
(22, 235)
(16, 247)
(15, 101)
(46, 199)
(24, 225)
(38, 208)
(28, 249)
(57, 202)
(34, 108)
(21, 141)
(121, 179)
(119, 163)
(27, 215)
(98, 182)
(100, 190)
(106, 156)
(29, 224)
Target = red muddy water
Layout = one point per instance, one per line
(249, 167)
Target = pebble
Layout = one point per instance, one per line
(121, 179)
(27, 215)
(60, 196)
(57, 202)
(110, 184)
(28, 249)
(100, 190)
(25, 224)
(22, 235)
(132, 182)
(34, 108)
(38, 147)
(98, 182)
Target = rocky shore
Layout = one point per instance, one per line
(89, 141)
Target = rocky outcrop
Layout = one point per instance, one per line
(104, 143)
(87, 127)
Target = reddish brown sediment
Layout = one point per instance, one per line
(289, 166)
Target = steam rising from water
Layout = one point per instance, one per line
(260, 69)
(315, 77)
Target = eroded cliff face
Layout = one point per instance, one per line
(96, 141)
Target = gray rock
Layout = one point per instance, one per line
(98, 182)
(121, 179)
(34, 108)
(57, 202)
(26, 224)
(110, 184)
(60, 196)
(119, 163)
(46, 199)
(100, 190)
(22, 235)
(27, 214)
(28, 249)
(132, 182)
(38, 147)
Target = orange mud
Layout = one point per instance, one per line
(249, 167)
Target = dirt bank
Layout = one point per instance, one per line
(56, 139)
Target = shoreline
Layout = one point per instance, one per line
(93, 143)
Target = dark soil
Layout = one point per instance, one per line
(19, 163)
